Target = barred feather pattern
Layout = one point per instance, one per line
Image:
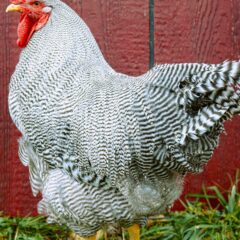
(105, 148)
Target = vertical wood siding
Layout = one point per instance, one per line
(185, 31)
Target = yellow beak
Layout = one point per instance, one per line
(13, 8)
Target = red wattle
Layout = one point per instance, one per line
(27, 26)
(24, 29)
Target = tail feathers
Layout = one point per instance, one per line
(213, 97)
(215, 78)
(203, 122)
(218, 76)
(225, 97)
(209, 81)
(230, 69)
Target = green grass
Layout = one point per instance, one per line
(199, 221)
(30, 228)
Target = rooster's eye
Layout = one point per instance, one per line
(36, 3)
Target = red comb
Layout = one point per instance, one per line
(23, 1)
(18, 1)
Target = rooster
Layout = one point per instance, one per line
(103, 148)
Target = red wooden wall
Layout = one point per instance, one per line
(186, 31)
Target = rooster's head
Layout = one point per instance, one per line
(34, 15)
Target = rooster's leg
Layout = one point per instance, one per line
(134, 232)
(89, 238)
(74, 236)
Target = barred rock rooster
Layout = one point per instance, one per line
(103, 148)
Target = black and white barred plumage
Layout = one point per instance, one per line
(105, 148)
